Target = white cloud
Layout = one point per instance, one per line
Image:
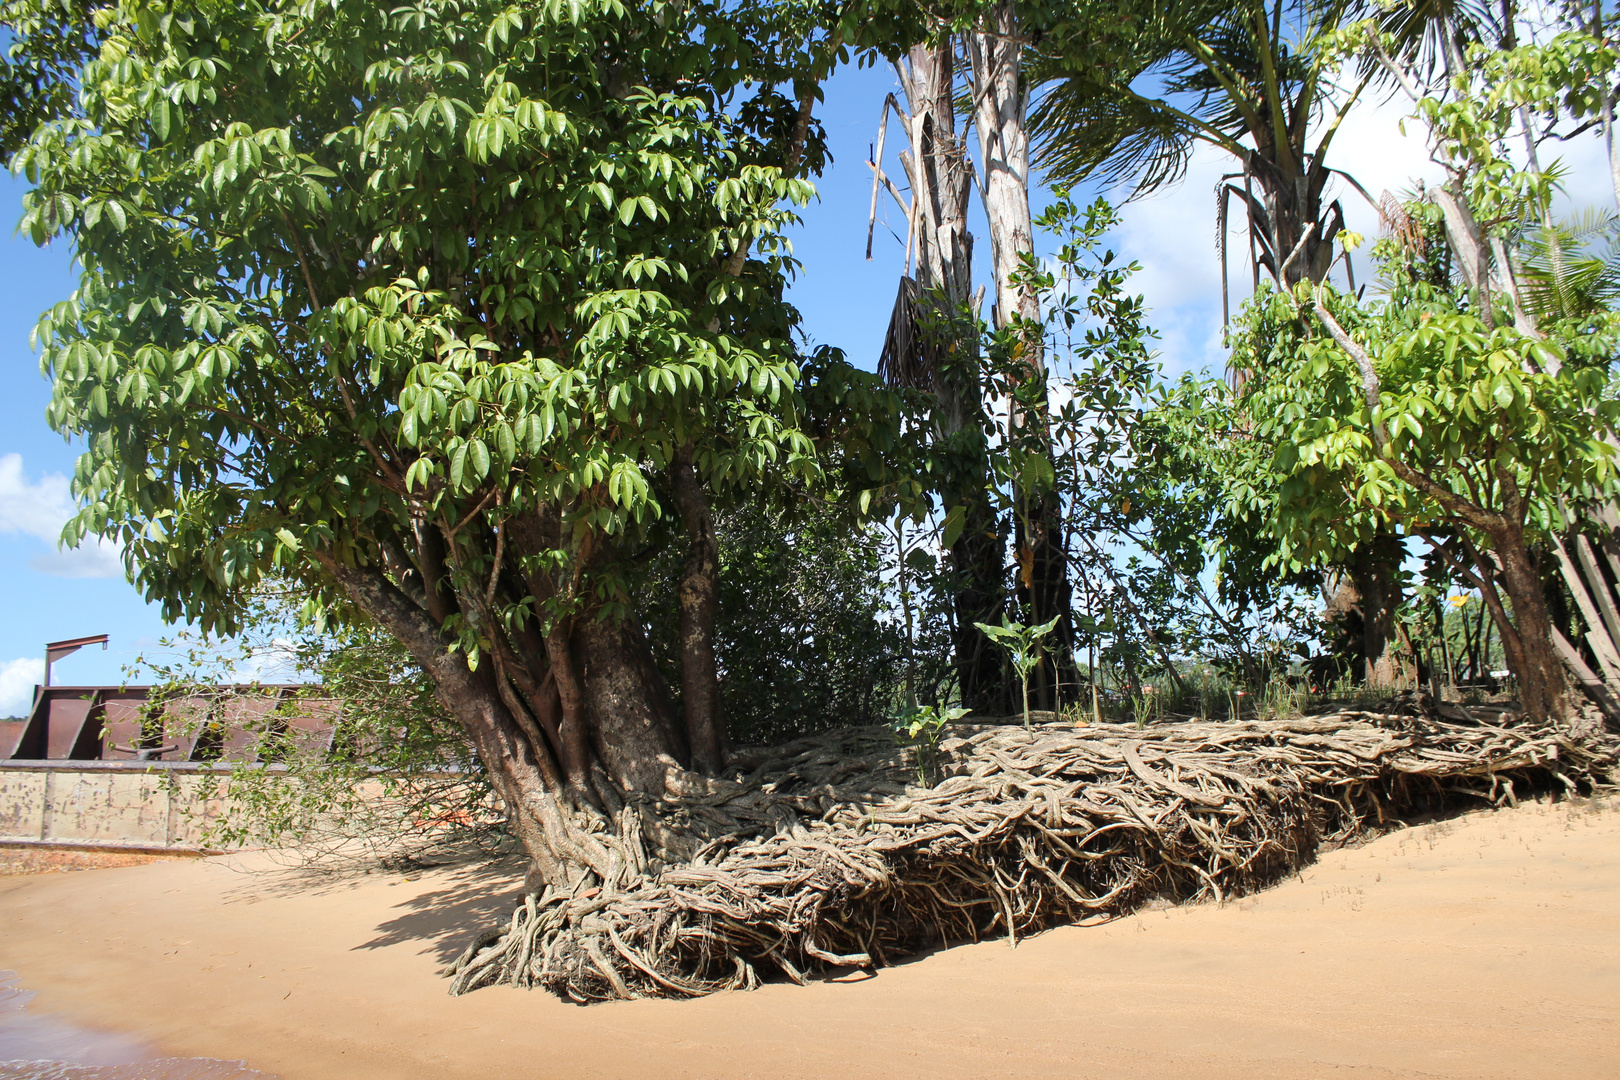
(1587, 181)
(1371, 147)
(1171, 233)
(273, 663)
(39, 509)
(93, 559)
(17, 681)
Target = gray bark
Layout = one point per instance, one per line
(1001, 101)
(947, 355)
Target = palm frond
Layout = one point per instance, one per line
(1082, 131)
(1562, 271)
(1416, 27)
(1089, 121)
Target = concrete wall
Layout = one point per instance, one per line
(159, 805)
(163, 806)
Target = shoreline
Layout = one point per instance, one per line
(1478, 946)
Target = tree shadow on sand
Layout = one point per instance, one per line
(472, 897)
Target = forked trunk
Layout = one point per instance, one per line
(574, 728)
(1294, 234)
(937, 349)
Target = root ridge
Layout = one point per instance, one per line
(826, 857)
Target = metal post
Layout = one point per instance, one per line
(56, 650)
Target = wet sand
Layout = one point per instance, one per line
(1486, 946)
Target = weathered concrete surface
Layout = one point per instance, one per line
(17, 861)
(134, 805)
(22, 804)
(151, 806)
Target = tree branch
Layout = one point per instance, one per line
(1372, 393)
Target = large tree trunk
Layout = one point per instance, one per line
(1527, 638)
(1379, 597)
(983, 674)
(1000, 107)
(941, 184)
(554, 831)
(699, 601)
(947, 362)
(1001, 101)
(632, 721)
(1295, 235)
(569, 717)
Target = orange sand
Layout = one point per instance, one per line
(1488, 946)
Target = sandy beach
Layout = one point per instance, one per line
(1484, 946)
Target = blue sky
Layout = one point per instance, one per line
(845, 300)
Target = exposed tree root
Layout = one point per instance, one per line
(830, 854)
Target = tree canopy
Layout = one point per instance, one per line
(436, 309)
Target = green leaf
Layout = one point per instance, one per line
(458, 465)
(955, 519)
(160, 118)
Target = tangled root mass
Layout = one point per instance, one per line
(831, 854)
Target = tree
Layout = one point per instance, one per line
(804, 633)
(1503, 88)
(1204, 497)
(999, 88)
(932, 346)
(1261, 82)
(1249, 79)
(49, 39)
(1460, 432)
(437, 310)
(1363, 591)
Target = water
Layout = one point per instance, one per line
(42, 1048)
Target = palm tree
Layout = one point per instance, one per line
(932, 346)
(1246, 77)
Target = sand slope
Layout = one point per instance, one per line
(1488, 946)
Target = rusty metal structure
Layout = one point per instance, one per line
(144, 723)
